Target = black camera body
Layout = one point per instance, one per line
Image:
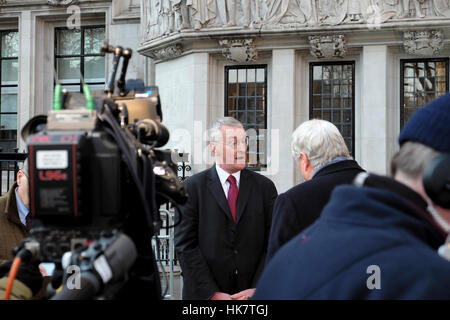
(93, 169)
(73, 176)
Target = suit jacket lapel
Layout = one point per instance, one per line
(217, 191)
(244, 193)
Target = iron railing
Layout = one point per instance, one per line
(10, 163)
(165, 252)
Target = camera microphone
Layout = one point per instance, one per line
(153, 131)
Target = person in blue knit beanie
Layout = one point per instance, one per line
(430, 125)
(382, 237)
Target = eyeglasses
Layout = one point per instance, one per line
(236, 143)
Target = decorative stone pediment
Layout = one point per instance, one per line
(62, 3)
(239, 50)
(167, 53)
(327, 46)
(424, 43)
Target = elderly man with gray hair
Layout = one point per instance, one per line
(324, 162)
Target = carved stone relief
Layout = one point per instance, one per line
(163, 17)
(239, 50)
(327, 46)
(167, 53)
(62, 3)
(423, 42)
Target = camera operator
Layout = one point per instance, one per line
(382, 238)
(15, 220)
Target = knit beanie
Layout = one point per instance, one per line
(430, 125)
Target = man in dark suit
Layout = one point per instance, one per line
(324, 162)
(222, 238)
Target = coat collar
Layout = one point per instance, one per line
(338, 166)
(11, 211)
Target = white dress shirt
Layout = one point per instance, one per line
(223, 176)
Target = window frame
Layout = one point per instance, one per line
(2, 32)
(402, 80)
(81, 56)
(226, 111)
(311, 87)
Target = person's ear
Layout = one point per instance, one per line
(213, 146)
(20, 175)
(299, 162)
(306, 162)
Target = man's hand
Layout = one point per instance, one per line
(43, 271)
(243, 295)
(220, 296)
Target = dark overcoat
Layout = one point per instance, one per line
(300, 206)
(12, 231)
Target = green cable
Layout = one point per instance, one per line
(88, 97)
(57, 100)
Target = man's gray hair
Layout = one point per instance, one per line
(215, 132)
(320, 140)
(412, 158)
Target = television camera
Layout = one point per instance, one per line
(96, 184)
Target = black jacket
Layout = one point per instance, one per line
(215, 254)
(300, 206)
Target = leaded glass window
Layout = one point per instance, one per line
(77, 57)
(421, 82)
(9, 65)
(332, 96)
(246, 100)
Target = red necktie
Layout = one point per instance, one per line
(232, 196)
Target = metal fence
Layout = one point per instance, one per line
(166, 253)
(10, 163)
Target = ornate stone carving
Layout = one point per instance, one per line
(239, 50)
(424, 43)
(165, 17)
(167, 53)
(327, 46)
(62, 3)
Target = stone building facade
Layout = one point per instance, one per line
(364, 65)
(45, 42)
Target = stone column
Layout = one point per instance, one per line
(371, 142)
(25, 103)
(127, 36)
(184, 92)
(200, 110)
(282, 113)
